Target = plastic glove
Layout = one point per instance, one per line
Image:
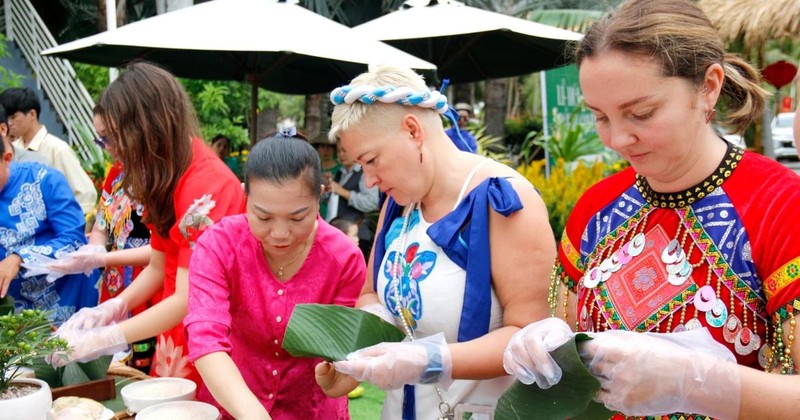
(527, 355)
(87, 345)
(37, 265)
(84, 260)
(380, 311)
(655, 374)
(392, 365)
(112, 310)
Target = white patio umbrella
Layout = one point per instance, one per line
(279, 46)
(469, 44)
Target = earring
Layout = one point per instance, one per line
(710, 115)
(420, 155)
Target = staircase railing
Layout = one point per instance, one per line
(54, 76)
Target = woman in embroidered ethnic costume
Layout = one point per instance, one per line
(679, 241)
(184, 189)
(457, 287)
(119, 243)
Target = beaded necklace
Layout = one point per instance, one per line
(405, 313)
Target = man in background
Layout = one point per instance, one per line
(17, 154)
(466, 141)
(22, 108)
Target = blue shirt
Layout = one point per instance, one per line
(40, 216)
(466, 143)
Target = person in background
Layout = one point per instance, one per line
(39, 219)
(696, 235)
(221, 146)
(17, 154)
(462, 253)
(349, 228)
(350, 198)
(461, 137)
(184, 189)
(119, 244)
(23, 108)
(283, 249)
(330, 166)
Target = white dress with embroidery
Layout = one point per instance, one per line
(432, 290)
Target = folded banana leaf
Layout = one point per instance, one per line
(332, 331)
(570, 398)
(6, 305)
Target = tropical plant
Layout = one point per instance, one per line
(571, 138)
(7, 77)
(24, 337)
(490, 146)
(566, 183)
(98, 161)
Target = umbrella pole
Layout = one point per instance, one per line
(253, 79)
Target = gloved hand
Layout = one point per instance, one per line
(37, 265)
(87, 345)
(380, 311)
(655, 374)
(112, 310)
(527, 356)
(83, 260)
(392, 365)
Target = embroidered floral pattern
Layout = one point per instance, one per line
(170, 360)
(196, 219)
(413, 268)
(782, 277)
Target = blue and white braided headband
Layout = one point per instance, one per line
(390, 95)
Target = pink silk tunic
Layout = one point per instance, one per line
(236, 305)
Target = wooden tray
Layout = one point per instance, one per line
(99, 390)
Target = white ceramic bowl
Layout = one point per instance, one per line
(180, 410)
(142, 394)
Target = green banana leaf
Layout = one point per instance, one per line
(569, 398)
(73, 373)
(6, 305)
(332, 331)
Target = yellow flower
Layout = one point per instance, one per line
(567, 182)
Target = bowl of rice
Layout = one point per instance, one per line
(142, 394)
(180, 410)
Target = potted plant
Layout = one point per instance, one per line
(25, 336)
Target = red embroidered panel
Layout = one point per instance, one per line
(640, 288)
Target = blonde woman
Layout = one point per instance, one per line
(460, 260)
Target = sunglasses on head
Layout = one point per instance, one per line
(101, 141)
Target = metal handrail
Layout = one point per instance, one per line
(54, 76)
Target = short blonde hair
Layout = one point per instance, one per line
(346, 116)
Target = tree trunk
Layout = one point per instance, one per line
(314, 112)
(122, 14)
(463, 92)
(267, 123)
(495, 108)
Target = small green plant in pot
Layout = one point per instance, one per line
(25, 336)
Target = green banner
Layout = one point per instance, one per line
(562, 94)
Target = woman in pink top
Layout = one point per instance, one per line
(246, 275)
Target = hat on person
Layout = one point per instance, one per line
(321, 140)
(463, 106)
